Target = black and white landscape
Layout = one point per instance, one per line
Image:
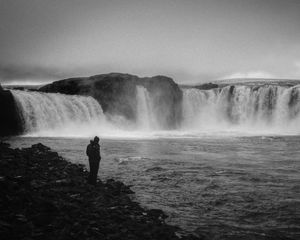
(196, 103)
(115, 104)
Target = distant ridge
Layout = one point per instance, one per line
(23, 86)
(257, 80)
(220, 82)
(242, 81)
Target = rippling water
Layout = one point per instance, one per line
(225, 188)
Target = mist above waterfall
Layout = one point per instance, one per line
(237, 109)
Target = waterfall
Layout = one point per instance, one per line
(251, 108)
(146, 117)
(268, 109)
(59, 114)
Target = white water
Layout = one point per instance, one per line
(146, 117)
(263, 110)
(244, 110)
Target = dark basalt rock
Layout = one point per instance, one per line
(42, 196)
(207, 86)
(10, 121)
(167, 99)
(70, 86)
(116, 92)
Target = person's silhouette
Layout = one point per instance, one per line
(93, 152)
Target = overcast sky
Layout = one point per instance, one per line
(189, 40)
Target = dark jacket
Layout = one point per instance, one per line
(93, 151)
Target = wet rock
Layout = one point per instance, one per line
(40, 147)
(4, 144)
(157, 214)
(10, 121)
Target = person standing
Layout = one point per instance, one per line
(93, 153)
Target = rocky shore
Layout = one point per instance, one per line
(46, 197)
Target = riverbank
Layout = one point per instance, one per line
(45, 197)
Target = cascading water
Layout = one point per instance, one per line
(59, 114)
(269, 108)
(146, 117)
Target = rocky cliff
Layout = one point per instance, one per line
(117, 94)
(10, 122)
(167, 99)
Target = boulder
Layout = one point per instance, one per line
(10, 120)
